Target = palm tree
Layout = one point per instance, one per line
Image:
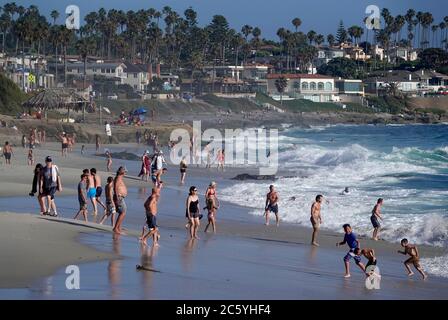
(5, 25)
(409, 17)
(442, 27)
(84, 46)
(296, 22)
(55, 15)
(311, 35)
(319, 39)
(330, 40)
(434, 30)
(419, 17)
(246, 30)
(281, 84)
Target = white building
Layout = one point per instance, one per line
(314, 87)
(116, 70)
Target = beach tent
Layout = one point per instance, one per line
(139, 111)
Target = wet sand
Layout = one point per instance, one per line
(245, 260)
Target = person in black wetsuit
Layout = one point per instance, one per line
(193, 212)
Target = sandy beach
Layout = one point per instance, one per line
(244, 260)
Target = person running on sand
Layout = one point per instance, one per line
(193, 212)
(82, 197)
(316, 218)
(120, 193)
(183, 170)
(110, 205)
(30, 157)
(369, 254)
(353, 243)
(7, 152)
(49, 183)
(64, 144)
(99, 189)
(376, 214)
(271, 205)
(108, 161)
(151, 222)
(414, 259)
(212, 205)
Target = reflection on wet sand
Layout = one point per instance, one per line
(114, 268)
(147, 255)
(187, 254)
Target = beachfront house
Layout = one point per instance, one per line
(402, 53)
(110, 70)
(137, 76)
(314, 87)
(406, 82)
(430, 80)
(326, 54)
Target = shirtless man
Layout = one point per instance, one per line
(376, 214)
(411, 250)
(110, 205)
(316, 218)
(64, 140)
(271, 205)
(98, 188)
(7, 152)
(91, 190)
(120, 193)
(151, 213)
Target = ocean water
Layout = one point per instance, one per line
(407, 165)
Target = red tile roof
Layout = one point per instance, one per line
(297, 76)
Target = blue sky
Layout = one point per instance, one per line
(320, 15)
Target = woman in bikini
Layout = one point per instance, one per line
(212, 205)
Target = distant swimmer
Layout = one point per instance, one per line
(412, 250)
(345, 192)
(316, 218)
(271, 205)
(376, 214)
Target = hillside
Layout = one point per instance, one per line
(11, 96)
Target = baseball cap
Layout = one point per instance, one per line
(48, 159)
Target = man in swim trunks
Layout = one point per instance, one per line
(7, 152)
(151, 213)
(120, 193)
(91, 190)
(412, 250)
(353, 243)
(49, 183)
(99, 189)
(64, 140)
(82, 198)
(271, 205)
(316, 218)
(369, 254)
(376, 214)
(110, 205)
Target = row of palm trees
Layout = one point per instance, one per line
(152, 36)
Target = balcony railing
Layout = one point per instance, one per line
(304, 91)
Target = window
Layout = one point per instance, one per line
(320, 86)
(313, 86)
(103, 70)
(135, 87)
(328, 86)
(94, 69)
(135, 75)
(305, 86)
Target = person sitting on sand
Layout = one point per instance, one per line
(151, 222)
(82, 197)
(376, 214)
(316, 218)
(212, 205)
(271, 205)
(352, 242)
(412, 250)
(110, 205)
(120, 193)
(192, 212)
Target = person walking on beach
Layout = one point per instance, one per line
(146, 166)
(30, 157)
(271, 205)
(120, 193)
(50, 182)
(110, 205)
(97, 143)
(414, 259)
(82, 198)
(183, 170)
(7, 152)
(23, 141)
(316, 218)
(91, 189)
(108, 132)
(351, 240)
(151, 222)
(221, 158)
(193, 213)
(35, 188)
(212, 205)
(64, 144)
(108, 161)
(376, 214)
(99, 189)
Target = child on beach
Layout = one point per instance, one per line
(376, 214)
(369, 254)
(30, 157)
(411, 250)
(110, 206)
(82, 197)
(353, 243)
